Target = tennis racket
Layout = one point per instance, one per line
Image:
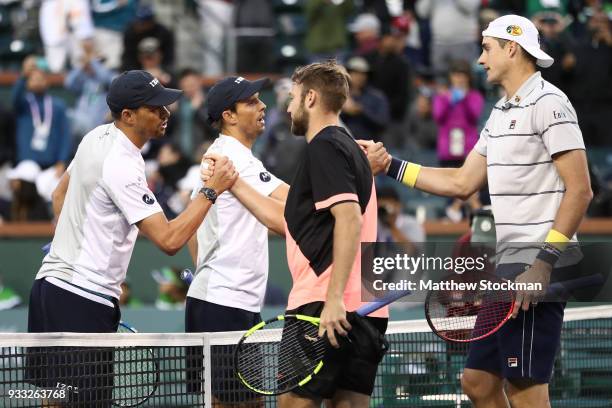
(472, 314)
(283, 353)
(136, 373)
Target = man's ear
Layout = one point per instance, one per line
(311, 98)
(229, 117)
(512, 49)
(128, 116)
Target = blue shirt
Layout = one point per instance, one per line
(58, 146)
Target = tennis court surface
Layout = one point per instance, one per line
(175, 370)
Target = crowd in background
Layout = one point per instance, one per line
(415, 81)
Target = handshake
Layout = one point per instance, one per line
(218, 172)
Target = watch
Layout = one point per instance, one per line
(209, 193)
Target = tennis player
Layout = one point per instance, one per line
(104, 201)
(330, 210)
(532, 153)
(230, 249)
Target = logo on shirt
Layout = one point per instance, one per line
(265, 176)
(514, 30)
(512, 362)
(512, 124)
(148, 199)
(559, 115)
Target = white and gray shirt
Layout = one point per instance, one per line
(232, 264)
(96, 232)
(519, 139)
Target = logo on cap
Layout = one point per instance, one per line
(514, 30)
(154, 82)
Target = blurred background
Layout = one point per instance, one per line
(415, 86)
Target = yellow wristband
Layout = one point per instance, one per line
(411, 173)
(557, 239)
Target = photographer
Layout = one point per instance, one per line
(395, 227)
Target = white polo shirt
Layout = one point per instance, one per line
(96, 232)
(232, 264)
(519, 139)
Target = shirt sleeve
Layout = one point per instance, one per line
(256, 175)
(481, 144)
(331, 175)
(127, 187)
(557, 123)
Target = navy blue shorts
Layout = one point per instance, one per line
(53, 309)
(525, 347)
(202, 316)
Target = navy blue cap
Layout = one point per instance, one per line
(230, 90)
(133, 89)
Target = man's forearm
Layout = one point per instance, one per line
(267, 210)
(347, 230)
(183, 227)
(571, 211)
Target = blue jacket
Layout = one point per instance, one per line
(59, 144)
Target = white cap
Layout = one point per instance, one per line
(365, 21)
(26, 170)
(522, 31)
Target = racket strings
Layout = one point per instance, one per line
(468, 315)
(135, 375)
(269, 364)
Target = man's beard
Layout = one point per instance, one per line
(299, 122)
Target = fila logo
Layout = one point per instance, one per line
(154, 82)
(512, 362)
(559, 115)
(512, 124)
(239, 80)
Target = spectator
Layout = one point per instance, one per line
(456, 112)
(111, 18)
(216, 17)
(172, 167)
(556, 42)
(391, 73)
(27, 204)
(454, 25)
(366, 32)
(366, 111)
(192, 127)
(254, 21)
(172, 290)
(43, 133)
(145, 26)
(421, 129)
(89, 82)
(64, 27)
(327, 36)
(7, 156)
(9, 299)
(150, 57)
(590, 67)
(395, 227)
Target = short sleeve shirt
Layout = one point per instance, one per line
(333, 170)
(519, 140)
(107, 195)
(232, 264)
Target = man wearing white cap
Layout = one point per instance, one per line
(532, 154)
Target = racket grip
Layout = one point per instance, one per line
(187, 276)
(382, 302)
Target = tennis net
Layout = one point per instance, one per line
(195, 370)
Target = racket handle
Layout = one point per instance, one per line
(577, 283)
(382, 302)
(187, 276)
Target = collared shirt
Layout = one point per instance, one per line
(96, 232)
(519, 139)
(232, 264)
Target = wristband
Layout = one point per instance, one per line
(549, 254)
(557, 239)
(404, 171)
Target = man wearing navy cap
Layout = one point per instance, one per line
(230, 249)
(104, 201)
